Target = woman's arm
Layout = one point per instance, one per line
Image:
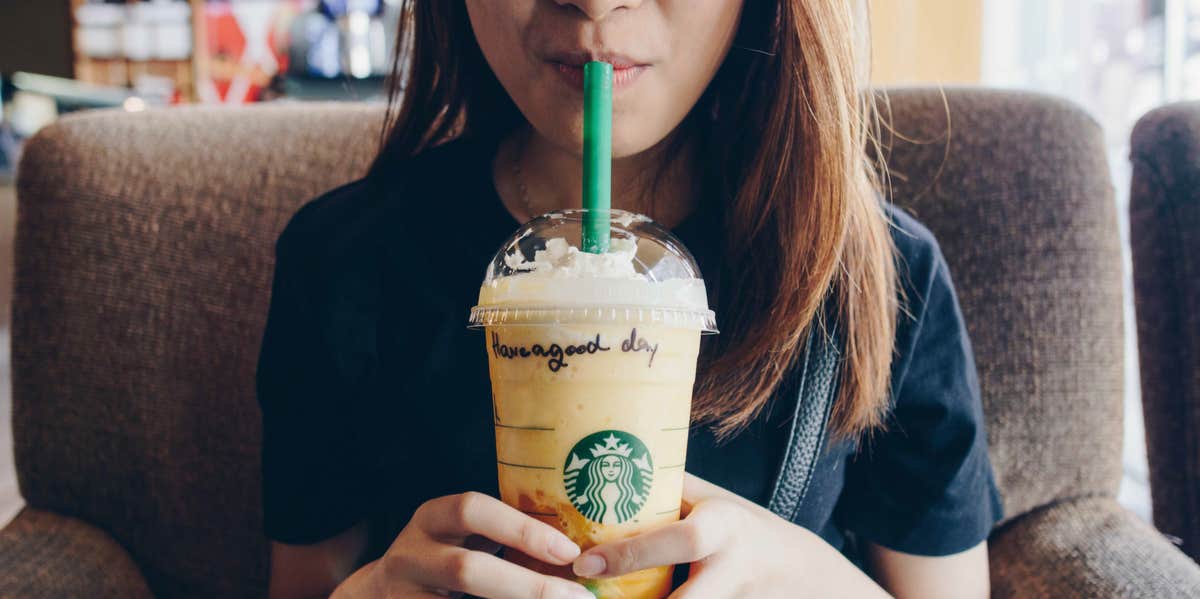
(311, 571)
(958, 576)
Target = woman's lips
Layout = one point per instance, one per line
(623, 76)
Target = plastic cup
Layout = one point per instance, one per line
(592, 360)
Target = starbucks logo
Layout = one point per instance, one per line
(608, 476)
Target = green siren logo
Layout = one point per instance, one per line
(608, 476)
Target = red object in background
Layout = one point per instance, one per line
(246, 45)
(225, 46)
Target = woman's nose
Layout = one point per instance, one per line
(596, 10)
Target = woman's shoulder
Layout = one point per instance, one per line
(921, 265)
(359, 211)
(320, 215)
(928, 297)
(915, 244)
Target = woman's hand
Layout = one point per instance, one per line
(448, 548)
(736, 548)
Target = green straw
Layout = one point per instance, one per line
(597, 155)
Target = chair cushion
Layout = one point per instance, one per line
(47, 555)
(1016, 188)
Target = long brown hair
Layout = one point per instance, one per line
(785, 127)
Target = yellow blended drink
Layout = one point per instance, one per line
(592, 360)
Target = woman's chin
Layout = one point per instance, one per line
(631, 136)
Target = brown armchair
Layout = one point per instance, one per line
(143, 267)
(1017, 189)
(1165, 232)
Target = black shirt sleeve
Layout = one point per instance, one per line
(314, 485)
(924, 485)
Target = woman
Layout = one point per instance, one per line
(741, 126)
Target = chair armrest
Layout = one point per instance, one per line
(1089, 547)
(46, 555)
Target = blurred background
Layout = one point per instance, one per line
(1117, 58)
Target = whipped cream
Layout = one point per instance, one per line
(563, 275)
(561, 260)
(645, 278)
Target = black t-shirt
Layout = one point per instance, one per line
(375, 395)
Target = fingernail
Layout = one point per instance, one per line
(590, 565)
(562, 548)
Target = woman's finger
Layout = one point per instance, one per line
(456, 517)
(485, 575)
(692, 539)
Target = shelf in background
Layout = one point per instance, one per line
(123, 72)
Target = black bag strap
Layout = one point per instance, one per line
(819, 370)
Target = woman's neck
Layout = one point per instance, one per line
(534, 176)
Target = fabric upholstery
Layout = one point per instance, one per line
(1016, 188)
(43, 555)
(142, 279)
(143, 265)
(1088, 548)
(1165, 233)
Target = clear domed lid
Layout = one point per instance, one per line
(541, 276)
